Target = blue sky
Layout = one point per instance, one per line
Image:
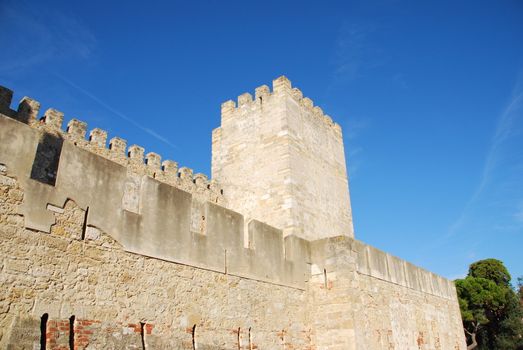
(429, 95)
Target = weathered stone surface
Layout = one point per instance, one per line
(280, 162)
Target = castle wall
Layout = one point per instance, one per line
(364, 298)
(281, 160)
(148, 257)
(77, 230)
(120, 299)
(144, 215)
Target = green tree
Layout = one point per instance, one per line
(491, 269)
(491, 312)
(520, 289)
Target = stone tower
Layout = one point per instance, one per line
(280, 160)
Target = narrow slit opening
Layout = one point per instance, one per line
(71, 332)
(194, 337)
(239, 338)
(84, 226)
(43, 331)
(142, 334)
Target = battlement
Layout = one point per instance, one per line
(148, 197)
(132, 157)
(280, 87)
(149, 207)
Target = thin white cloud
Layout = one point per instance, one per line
(355, 50)
(354, 152)
(355, 126)
(32, 34)
(116, 112)
(505, 129)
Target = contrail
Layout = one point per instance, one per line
(503, 129)
(115, 112)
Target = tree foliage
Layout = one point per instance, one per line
(491, 311)
(491, 269)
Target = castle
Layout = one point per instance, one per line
(105, 247)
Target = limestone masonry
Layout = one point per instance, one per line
(106, 247)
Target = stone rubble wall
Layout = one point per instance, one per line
(124, 300)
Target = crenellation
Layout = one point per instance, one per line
(153, 161)
(214, 187)
(77, 129)
(297, 94)
(185, 179)
(201, 181)
(317, 111)
(307, 102)
(53, 119)
(201, 187)
(281, 85)
(244, 99)
(98, 138)
(261, 92)
(28, 110)
(328, 120)
(336, 127)
(117, 146)
(227, 110)
(170, 167)
(135, 154)
(6, 96)
(186, 174)
(168, 173)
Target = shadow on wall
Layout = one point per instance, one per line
(47, 158)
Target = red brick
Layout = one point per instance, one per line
(149, 328)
